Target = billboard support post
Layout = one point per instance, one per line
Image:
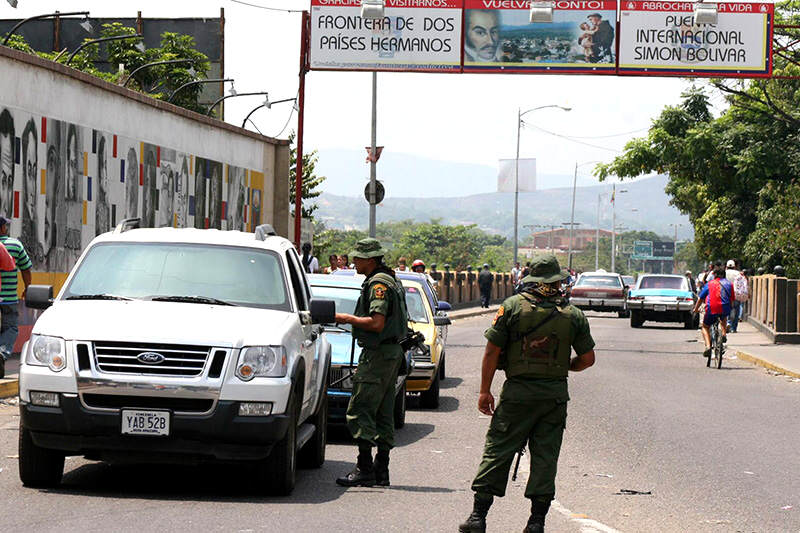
(301, 96)
(373, 159)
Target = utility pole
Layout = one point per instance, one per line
(597, 237)
(516, 187)
(373, 159)
(613, 225)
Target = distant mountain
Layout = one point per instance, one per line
(641, 205)
(411, 176)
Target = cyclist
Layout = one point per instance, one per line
(718, 296)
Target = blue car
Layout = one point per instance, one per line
(662, 298)
(345, 290)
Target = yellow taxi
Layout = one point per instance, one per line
(429, 363)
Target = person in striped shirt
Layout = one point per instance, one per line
(8, 290)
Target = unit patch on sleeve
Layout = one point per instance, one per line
(379, 291)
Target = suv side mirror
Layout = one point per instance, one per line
(443, 306)
(322, 311)
(39, 296)
(441, 321)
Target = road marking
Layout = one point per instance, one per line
(587, 525)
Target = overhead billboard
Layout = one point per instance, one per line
(414, 35)
(499, 37)
(660, 38)
(642, 250)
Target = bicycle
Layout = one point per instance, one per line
(717, 347)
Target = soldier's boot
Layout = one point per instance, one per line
(538, 513)
(381, 467)
(476, 521)
(363, 475)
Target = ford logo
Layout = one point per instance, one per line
(150, 358)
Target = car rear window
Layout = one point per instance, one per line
(599, 281)
(662, 282)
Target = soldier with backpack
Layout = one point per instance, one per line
(532, 338)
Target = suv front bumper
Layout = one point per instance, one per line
(219, 435)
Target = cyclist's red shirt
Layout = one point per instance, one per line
(719, 294)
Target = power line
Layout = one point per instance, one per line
(285, 10)
(608, 136)
(571, 139)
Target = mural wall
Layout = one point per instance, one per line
(62, 184)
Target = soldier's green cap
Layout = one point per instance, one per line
(369, 247)
(546, 270)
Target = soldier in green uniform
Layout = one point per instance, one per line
(380, 321)
(531, 338)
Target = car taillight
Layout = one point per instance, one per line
(686, 299)
(635, 297)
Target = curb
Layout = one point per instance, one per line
(9, 387)
(764, 363)
(476, 312)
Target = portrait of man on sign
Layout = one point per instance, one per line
(482, 38)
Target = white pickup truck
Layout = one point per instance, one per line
(178, 345)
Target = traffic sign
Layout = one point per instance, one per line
(664, 250)
(380, 192)
(642, 250)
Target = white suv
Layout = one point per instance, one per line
(184, 344)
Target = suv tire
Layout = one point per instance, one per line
(400, 407)
(430, 398)
(277, 472)
(312, 455)
(38, 467)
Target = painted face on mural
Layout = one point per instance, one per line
(166, 196)
(131, 185)
(73, 169)
(6, 175)
(30, 169)
(483, 34)
(53, 176)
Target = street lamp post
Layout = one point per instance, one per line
(521, 114)
(225, 97)
(614, 224)
(103, 40)
(675, 249)
(572, 216)
(38, 17)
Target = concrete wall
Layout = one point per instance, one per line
(460, 289)
(84, 154)
(78, 155)
(773, 307)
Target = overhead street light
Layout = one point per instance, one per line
(39, 17)
(521, 114)
(268, 105)
(705, 13)
(542, 11)
(372, 9)
(139, 45)
(155, 63)
(229, 95)
(614, 223)
(196, 82)
(12, 3)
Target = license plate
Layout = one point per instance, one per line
(598, 294)
(660, 308)
(136, 422)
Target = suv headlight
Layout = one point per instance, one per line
(47, 351)
(261, 361)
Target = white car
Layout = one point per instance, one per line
(186, 344)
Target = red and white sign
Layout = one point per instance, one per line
(658, 38)
(414, 35)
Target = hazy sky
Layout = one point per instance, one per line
(459, 117)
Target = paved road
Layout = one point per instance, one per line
(717, 449)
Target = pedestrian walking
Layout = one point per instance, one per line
(379, 323)
(531, 337)
(310, 263)
(8, 290)
(485, 280)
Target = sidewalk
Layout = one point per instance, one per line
(9, 385)
(472, 311)
(751, 345)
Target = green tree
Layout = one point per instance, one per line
(310, 180)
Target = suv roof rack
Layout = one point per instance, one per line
(263, 231)
(128, 223)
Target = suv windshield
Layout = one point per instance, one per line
(599, 281)
(659, 282)
(242, 276)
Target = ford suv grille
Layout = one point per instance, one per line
(150, 359)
